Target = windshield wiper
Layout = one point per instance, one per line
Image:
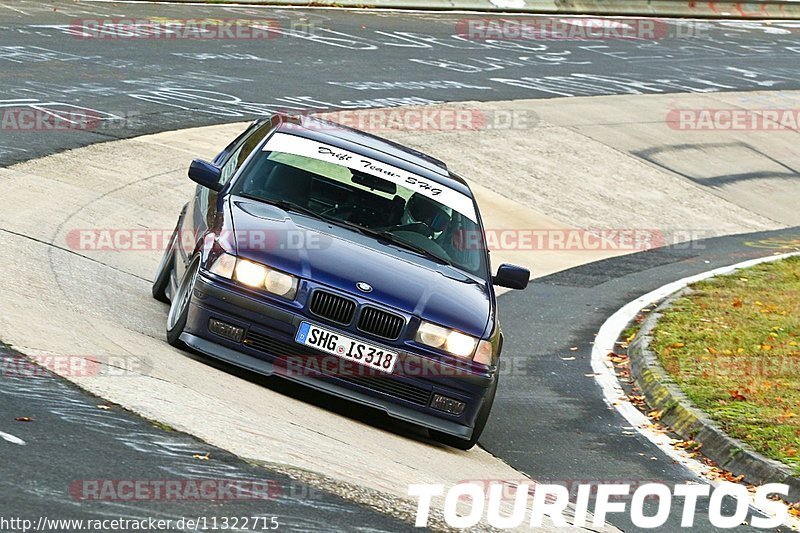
(290, 206)
(413, 247)
(283, 204)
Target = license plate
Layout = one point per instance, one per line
(353, 350)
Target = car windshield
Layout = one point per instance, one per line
(347, 188)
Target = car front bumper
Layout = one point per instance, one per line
(268, 343)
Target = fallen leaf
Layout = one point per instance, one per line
(637, 400)
(573, 349)
(736, 395)
(727, 476)
(23, 419)
(201, 457)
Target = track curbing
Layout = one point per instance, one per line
(606, 377)
(685, 419)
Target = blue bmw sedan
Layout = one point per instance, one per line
(345, 262)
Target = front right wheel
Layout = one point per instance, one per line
(164, 272)
(179, 307)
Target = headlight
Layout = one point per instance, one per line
(250, 273)
(485, 353)
(281, 284)
(255, 275)
(224, 266)
(449, 340)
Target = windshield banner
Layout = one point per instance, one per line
(292, 144)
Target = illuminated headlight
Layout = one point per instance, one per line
(449, 340)
(255, 275)
(250, 273)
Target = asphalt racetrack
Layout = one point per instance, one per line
(327, 59)
(550, 422)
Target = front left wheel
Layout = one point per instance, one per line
(179, 308)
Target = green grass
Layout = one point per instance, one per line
(733, 346)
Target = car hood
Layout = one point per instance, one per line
(340, 258)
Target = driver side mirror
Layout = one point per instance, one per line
(512, 277)
(206, 174)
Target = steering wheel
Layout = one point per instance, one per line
(415, 227)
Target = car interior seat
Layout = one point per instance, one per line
(288, 183)
(428, 216)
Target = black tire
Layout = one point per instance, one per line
(179, 307)
(480, 424)
(164, 272)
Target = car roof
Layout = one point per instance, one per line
(373, 146)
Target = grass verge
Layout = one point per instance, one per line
(732, 344)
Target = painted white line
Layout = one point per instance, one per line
(12, 439)
(14, 9)
(613, 394)
(508, 4)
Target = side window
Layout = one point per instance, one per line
(230, 168)
(245, 148)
